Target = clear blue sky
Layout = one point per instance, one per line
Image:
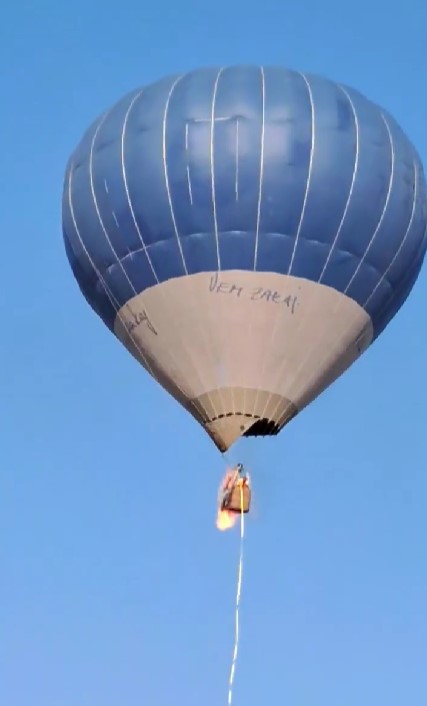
(112, 593)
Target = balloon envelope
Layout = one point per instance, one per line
(246, 233)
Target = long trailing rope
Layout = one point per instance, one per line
(238, 594)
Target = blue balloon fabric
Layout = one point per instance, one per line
(246, 168)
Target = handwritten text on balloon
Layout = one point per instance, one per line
(218, 286)
(141, 317)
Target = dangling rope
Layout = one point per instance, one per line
(238, 593)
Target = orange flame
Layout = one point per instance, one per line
(225, 520)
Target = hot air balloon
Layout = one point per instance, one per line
(247, 233)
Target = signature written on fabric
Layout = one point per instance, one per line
(138, 318)
(226, 287)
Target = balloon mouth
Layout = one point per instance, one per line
(231, 412)
(263, 427)
(224, 431)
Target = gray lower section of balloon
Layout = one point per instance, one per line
(243, 352)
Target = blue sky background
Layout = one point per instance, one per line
(111, 592)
